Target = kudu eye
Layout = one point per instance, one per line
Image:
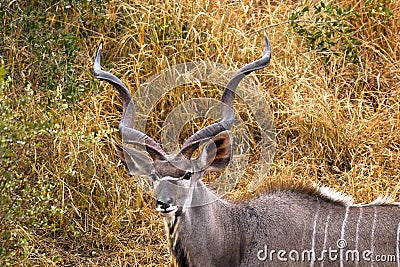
(187, 176)
(153, 176)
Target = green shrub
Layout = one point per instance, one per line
(331, 29)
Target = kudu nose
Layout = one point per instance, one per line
(164, 203)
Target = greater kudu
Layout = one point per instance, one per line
(301, 226)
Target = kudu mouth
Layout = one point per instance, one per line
(168, 211)
(165, 207)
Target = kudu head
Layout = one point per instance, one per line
(176, 176)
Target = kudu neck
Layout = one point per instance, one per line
(203, 196)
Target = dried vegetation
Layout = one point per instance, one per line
(333, 86)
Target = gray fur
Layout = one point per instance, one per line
(223, 233)
(272, 229)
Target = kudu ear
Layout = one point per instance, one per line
(216, 153)
(118, 148)
(137, 162)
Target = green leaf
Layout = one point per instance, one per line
(3, 71)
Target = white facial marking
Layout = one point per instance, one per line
(169, 220)
(169, 179)
(167, 212)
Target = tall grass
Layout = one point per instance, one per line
(333, 86)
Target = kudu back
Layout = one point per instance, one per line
(301, 226)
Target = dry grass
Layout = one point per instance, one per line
(337, 121)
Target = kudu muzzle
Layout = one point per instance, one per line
(171, 197)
